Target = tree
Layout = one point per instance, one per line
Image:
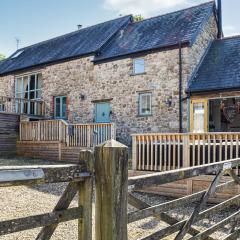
(138, 18)
(2, 57)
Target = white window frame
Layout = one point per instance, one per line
(21, 93)
(137, 61)
(141, 95)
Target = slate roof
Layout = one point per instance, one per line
(115, 38)
(82, 42)
(220, 69)
(157, 32)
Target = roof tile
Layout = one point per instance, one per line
(157, 32)
(220, 69)
(82, 42)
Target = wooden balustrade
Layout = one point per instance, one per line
(22, 106)
(163, 152)
(48, 130)
(74, 135)
(89, 135)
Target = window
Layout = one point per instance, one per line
(145, 104)
(18, 53)
(60, 107)
(199, 116)
(138, 66)
(28, 87)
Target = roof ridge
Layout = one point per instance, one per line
(70, 33)
(177, 11)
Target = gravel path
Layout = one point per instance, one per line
(16, 202)
(24, 201)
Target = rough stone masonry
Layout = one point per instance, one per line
(114, 81)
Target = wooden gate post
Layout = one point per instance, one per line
(85, 197)
(111, 169)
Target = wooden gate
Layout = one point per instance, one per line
(181, 228)
(80, 181)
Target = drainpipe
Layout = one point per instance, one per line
(180, 88)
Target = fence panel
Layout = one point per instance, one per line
(164, 152)
(74, 135)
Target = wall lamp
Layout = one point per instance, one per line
(169, 101)
(82, 97)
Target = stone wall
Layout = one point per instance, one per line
(7, 86)
(71, 79)
(114, 80)
(203, 41)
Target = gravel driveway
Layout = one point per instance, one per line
(24, 201)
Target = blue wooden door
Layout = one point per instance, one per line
(102, 112)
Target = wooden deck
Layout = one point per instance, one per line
(58, 140)
(170, 151)
(189, 186)
(162, 152)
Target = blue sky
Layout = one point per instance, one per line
(33, 21)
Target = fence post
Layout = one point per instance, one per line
(67, 135)
(60, 138)
(38, 131)
(134, 152)
(89, 136)
(85, 197)
(111, 168)
(20, 131)
(186, 150)
(113, 130)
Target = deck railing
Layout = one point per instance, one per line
(163, 152)
(22, 106)
(74, 135)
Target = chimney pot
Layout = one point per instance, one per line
(79, 26)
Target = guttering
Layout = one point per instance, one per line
(45, 64)
(213, 90)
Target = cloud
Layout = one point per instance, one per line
(230, 31)
(146, 7)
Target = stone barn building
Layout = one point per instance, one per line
(155, 75)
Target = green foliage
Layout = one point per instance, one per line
(138, 18)
(2, 57)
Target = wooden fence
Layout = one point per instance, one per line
(22, 106)
(164, 152)
(9, 130)
(114, 191)
(74, 135)
(80, 178)
(183, 227)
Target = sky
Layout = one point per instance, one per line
(33, 21)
